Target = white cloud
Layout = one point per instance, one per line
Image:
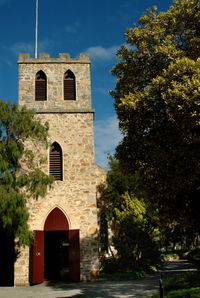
(19, 47)
(25, 47)
(72, 28)
(102, 53)
(107, 137)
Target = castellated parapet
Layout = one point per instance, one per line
(71, 126)
(62, 57)
(54, 69)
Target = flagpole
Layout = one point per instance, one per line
(36, 30)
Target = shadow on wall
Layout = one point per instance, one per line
(89, 253)
(8, 256)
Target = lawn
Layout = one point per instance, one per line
(185, 285)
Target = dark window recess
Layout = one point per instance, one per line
(69, 86)
(55, 162)
(40, 86)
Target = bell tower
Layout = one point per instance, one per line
(67, 83)
(59, 90)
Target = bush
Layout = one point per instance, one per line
(184, 293)
(170, 256)
(181, 285)
(110, 265)
(194, 256)
(183, 281)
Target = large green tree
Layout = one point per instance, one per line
(20, 172)
(157, 100)
(134, 235)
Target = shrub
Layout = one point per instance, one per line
(182, 285)
(184, 293)
(183, 281)
(110, 265)
(194, 256)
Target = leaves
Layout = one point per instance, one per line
(121, 203)
(157, 100)
(20, 174)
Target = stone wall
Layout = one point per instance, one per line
(70, 125)
(21, 274)
(54, 70)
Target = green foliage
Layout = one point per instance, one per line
(20, 173)
(183, 281)
(179, 286)
(194, 256)
(110, 265)
(134, 236)
(157, 100)
(118, 182)
(193, 293)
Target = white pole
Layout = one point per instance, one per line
(36, 30)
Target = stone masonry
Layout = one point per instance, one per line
(70, 125)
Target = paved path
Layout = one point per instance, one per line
(99, 289)
(144, 287)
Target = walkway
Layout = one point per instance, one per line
(99, 289)
(144, 287)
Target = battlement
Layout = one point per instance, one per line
(54, 70)
(45, 58)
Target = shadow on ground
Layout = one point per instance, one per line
(137, 288)
(144, 287)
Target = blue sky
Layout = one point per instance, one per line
(95, 27)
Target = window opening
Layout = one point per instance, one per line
(40, 86)
(69, 86)
(56, 161)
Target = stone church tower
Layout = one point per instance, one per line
(65, 221)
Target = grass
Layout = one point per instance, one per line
(182, 286)
(184, 293)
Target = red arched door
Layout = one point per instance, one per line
(56, 252)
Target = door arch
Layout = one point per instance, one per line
(56, 221)
(56, 250)
(56, 246)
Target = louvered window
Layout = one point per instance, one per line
(40, 86)
(69, 86)
(55, 161)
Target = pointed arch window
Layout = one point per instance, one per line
(69, 86)
(40, 86)
(55, 161)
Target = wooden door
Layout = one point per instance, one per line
(38, 257)
(74, 255)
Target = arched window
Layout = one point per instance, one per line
(69, 86)
(40, 86)
(55, 161)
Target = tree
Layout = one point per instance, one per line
(134, 235)
(20, 172)
(157, 100)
